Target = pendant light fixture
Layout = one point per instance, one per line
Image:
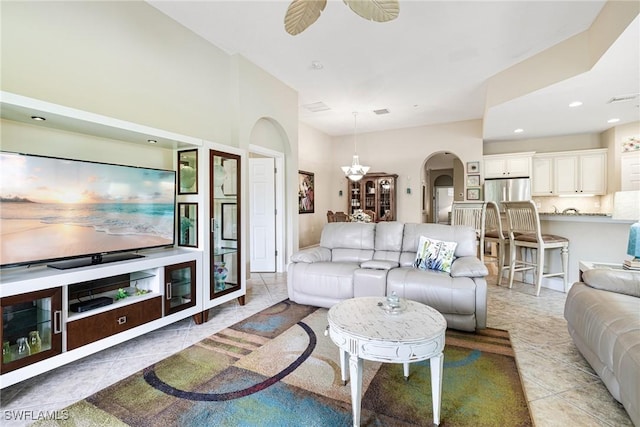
(356, 171)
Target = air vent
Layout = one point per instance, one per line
(316, 107)
(382, 111)
(623, 98)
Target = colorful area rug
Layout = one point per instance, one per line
(277, 368)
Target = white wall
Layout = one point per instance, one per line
(315, 156)
(404, 152)
(129, 61)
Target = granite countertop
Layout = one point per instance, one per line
(576, 214)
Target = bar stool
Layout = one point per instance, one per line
(493, 233)
(524, 233)
(473, 215)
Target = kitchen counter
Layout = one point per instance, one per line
(591, 236)
(582, 217)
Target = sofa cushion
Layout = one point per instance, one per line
(435, 288)
(619, 281)
(349, 241)
(606, 328)
(379, 264)
(434, 254)
(464, 236)
(388, 242)
(468, 266)
(315, 254)
(348, 235)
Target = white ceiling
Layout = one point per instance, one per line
(431, 65)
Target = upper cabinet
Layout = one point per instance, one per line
(542, 175)
(583, 172)
(508, 165)
(570, 172)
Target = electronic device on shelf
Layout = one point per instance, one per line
(92, 304)
(81, 213)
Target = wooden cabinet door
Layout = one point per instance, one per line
(23, 314)
(180, 287)
(102, 325)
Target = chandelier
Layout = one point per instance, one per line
(356, 171)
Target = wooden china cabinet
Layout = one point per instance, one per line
(375, 192)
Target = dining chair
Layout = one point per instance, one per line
(525, 233)
(371, 213)
(473, 215)
(341, 217)
(494, 232)
(331, 217)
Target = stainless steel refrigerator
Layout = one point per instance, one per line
(507, 189)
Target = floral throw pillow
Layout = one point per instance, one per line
(434, 254)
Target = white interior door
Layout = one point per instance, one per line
(262, 216)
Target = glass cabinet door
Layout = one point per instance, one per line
(225, 223)
(180, 282)
(369, 194)
(386, 187)
(31, 328)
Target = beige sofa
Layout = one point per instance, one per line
(603, 317)
(366, 259)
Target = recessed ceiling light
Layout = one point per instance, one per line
(152, 141)
(38, 118)
(613, 120)
(575, 104)
(519, 130)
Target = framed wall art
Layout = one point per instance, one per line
(473, 180)
(473, 167)
(473, 193)
(188, 172)
(305, 192)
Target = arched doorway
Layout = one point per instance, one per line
(442, 183)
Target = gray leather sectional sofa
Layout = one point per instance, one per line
(367, 259)
(603, 317)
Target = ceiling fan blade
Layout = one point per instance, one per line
(375, 10)
(301, 14)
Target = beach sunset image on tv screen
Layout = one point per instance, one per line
(54, 208)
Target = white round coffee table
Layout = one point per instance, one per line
(362, 328)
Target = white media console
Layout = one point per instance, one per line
(66, 335)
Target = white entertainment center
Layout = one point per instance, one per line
(142, 294)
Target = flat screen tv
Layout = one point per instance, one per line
(72, 213)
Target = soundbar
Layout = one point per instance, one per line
(80, 307)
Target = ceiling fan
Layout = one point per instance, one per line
(302, 13)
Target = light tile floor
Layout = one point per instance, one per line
(561, 387)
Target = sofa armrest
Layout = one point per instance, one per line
(618, 281)
(310, 255)
(468, 266)
(379, 264)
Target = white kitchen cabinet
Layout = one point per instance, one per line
(542, 176)
(583, 172)
(507, 165)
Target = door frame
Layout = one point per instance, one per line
(280, 201)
